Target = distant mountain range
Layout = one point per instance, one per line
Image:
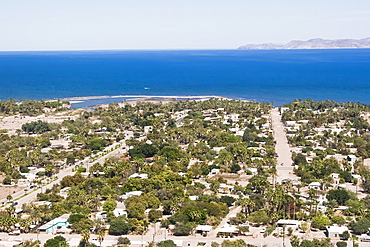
(312, 44)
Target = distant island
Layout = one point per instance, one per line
(312, 44)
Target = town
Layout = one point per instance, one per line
(205, 172)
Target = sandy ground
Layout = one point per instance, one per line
(15, 122)
(133, 99)
(9, 190)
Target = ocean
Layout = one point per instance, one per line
(277, 76)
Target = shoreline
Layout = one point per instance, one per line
(84, 98)
(132, 99)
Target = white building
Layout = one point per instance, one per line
(335, 231)
(130, 194)
(294, 224)
(136, 175)
(315, 185)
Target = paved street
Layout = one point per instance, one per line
(284, 160)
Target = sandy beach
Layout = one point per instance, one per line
(133, 99)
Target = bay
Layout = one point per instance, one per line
(278, 76)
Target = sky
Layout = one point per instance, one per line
(175, 24)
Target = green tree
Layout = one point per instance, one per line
(109, 205)
(320, 222)
(154, 215)
(101, 235)
(361, 226)
(339, 195)
(119, 227)
(57, 241)
(38, 127)
(259, 217)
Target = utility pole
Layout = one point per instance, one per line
(284, 235)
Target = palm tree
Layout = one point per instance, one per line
(10, 210)
(246, 204)
(85, 237)
(25, 225)
(101, 235)
(31, 243)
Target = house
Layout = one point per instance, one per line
(102, 215)
(294, 224)
(367, 162)
(136, 175)
(233, 117)
(193, 198)
(290, 123)
(351, 159)
(335, 231)
(130, 194)
(225, 188)
(335, 177)
(54, 224)
(315, 185)
(119, 212)
(42, 203)
(252, 170)
(218, 149)
(215, 171)
(203, 229)
(228, 230)
(148, 129)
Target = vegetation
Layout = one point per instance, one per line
(184, 160)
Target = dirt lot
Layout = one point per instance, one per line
(6, 190)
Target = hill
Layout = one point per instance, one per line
(312, 44)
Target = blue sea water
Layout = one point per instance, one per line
(278, 76)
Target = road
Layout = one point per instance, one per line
(284, 160)
(138, 240)
(21, 197)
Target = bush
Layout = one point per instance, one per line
(166, 243)
(123, 240)
(341, 244)
(7, 180)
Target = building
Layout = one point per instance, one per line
(119, 212)
(203, 229)
(335, 231)
(54, 224)
(131, 193)
(315, 185)
(142, 176)
(294, 224)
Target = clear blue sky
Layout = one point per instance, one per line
(175, 24)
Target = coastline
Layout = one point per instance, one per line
(105, 100)
(140, 96)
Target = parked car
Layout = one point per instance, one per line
(263, 230)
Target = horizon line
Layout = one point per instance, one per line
(119, 49)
